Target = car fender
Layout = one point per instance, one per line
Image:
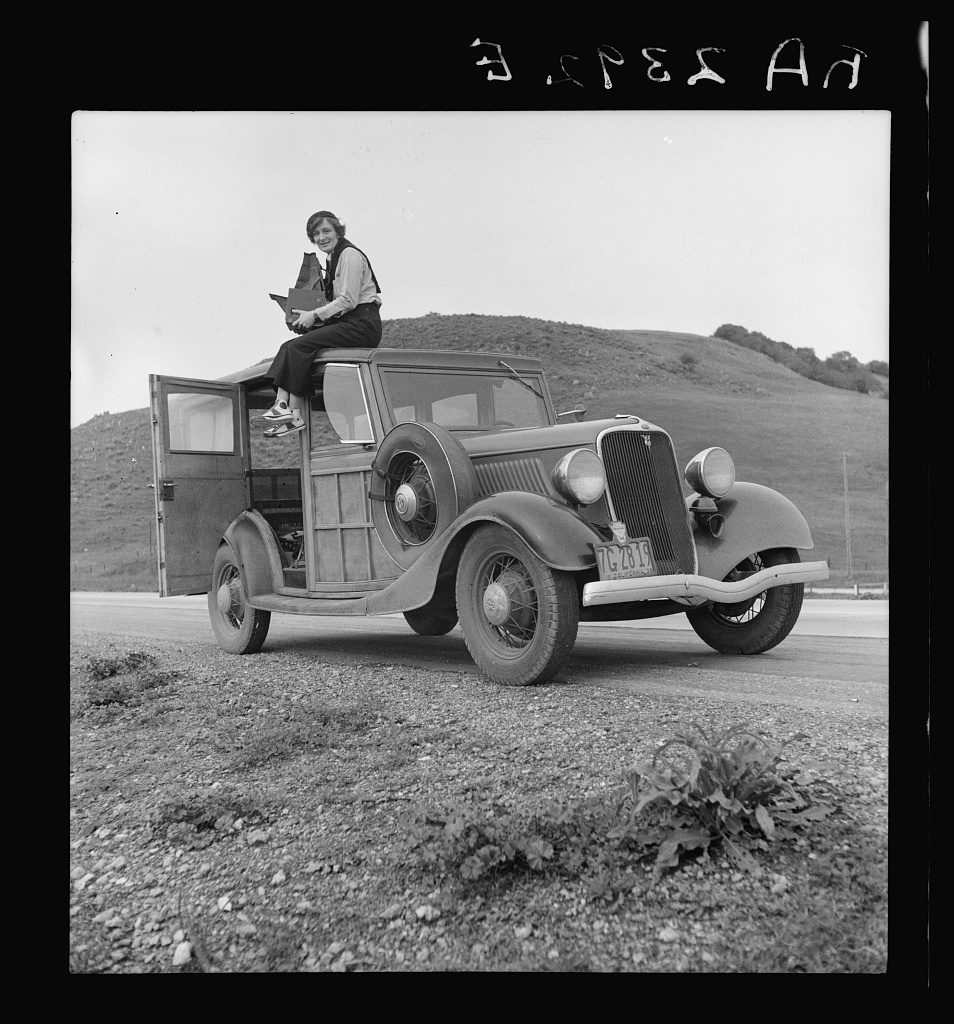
(257, 554)
(555, 533)
(551, 529)
(756, 519)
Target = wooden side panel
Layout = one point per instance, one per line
(346, 545)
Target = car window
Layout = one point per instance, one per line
(464, 401)
(345, 403)
(200, 423)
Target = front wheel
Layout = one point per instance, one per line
(519, 617)
(239, 628)
(758, 624)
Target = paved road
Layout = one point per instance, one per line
(837, 653)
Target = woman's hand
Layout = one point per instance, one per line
(305, 321)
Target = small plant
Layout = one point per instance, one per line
(121, 682)
(106, 668)
(689, 361)
(728, 787)
(585, 839)
(477, 844)
(199, 818)
(306, 730)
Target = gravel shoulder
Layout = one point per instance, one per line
(254, 815)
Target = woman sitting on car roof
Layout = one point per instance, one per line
(350, 318)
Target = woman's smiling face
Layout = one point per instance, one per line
(325, 236)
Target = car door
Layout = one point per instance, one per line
(201, 475)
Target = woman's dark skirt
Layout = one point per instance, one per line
(292, 368)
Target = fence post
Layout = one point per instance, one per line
(844, 462)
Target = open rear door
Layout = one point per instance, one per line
(200, 465)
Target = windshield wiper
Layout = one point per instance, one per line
(525, 383)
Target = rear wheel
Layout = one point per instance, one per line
(758, 624)
(519, 617)
(239, 628)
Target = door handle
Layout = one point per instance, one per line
(168, 490)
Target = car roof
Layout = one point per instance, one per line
(402, 357)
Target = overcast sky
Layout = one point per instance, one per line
(182, 223)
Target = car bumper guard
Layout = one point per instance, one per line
(695, 590)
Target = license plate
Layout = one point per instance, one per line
(622, 561)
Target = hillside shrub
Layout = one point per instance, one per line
(689, 361)
(839, 370)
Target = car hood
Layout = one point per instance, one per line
(560, 435)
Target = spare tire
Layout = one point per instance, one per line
(421, 482)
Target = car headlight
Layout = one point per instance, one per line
(711, 472)
(579, 476)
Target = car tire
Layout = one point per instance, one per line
(238, 628)
(421, 482)
(756, 625)
(519, 617)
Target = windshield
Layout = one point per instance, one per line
(464, 401)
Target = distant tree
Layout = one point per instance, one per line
(843, 362)
(808, 354)
(758, 341)
(731, 332)
(826, 374)
(878, 366)
(801, 367)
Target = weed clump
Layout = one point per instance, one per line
(728, 787)
(305, 730)
(197, 819)
(700, 791)
(105, 668)
(113, 683)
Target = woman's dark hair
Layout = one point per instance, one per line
(321, 215)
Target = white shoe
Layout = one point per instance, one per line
(284, 429)
(279, 413)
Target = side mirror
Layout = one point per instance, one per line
(578, 413)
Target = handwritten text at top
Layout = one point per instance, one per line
(657, 72)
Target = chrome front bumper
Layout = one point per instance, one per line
(694, 590)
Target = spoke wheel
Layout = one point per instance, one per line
(239, 628)
(411, 499)
(421, 481)
(759, 623)
(509, 603)
(519, 617)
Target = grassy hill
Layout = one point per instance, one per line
(782, 430)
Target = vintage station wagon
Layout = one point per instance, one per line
(444, 486)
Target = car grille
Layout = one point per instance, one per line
(644, 488)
